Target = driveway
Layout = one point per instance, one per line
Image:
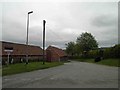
(70, 75)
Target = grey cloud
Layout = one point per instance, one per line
(106, 27)
(60, 44)
(104, 21)
(66, 23)
(13, 30)
(108, 42)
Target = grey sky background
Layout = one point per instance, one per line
(65, 21)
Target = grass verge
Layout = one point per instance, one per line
(109, 62)
(21, 67)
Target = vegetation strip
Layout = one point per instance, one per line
(109, 62)
(21, 67)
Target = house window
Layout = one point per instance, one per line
(8, 49)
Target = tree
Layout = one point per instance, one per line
(70, 49)
(115, 51)
(77, 49)
(87, 42)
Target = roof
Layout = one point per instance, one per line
(7, 42)
(58, 51)
(20, 49)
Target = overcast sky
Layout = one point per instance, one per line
(65, 21)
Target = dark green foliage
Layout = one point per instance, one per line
(70, 49)
(77, 50)
(116, 51)
(101, 52)
(84, 43)
(87, 47)
(93, 53)
(113, 52)
(87, 42)
(107, 53)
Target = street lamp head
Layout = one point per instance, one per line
(30, 12)
(44, 21)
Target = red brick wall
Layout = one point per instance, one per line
(48, 55)
(52, 56)
(20, 49)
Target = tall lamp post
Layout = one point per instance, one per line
(27, 36)
(44, 41)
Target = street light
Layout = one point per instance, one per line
(44, 41)
(27, 36)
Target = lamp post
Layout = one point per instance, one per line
(27, 36)
(44, 41)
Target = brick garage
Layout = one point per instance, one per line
(55, 54)
(19, 52)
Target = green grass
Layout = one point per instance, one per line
(109, 62)
(21, 67)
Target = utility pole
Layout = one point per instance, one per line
(44, 41)
(8, 58)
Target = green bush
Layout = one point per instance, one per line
(107, 53)
(116, 51)
(112, 52)
(93, 53)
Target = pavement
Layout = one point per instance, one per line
(70, 75)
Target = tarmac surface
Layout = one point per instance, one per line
(70, 75)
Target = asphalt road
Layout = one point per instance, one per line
(70, 75)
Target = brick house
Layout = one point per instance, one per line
(18, 51)
(55, 54)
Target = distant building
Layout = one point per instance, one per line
(55, 54)
(17, 52)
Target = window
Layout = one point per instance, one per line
(8, 49)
